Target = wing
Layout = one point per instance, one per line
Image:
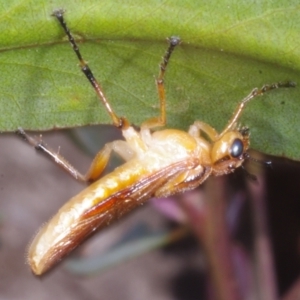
(43, 256)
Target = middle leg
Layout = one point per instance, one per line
(161, 120)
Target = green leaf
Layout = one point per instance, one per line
(228, 49)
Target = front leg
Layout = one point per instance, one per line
(185, 181)
(198, 126)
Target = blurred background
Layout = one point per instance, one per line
(33, 189)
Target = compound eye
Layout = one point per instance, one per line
(237, 148)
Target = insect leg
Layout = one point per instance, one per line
(198, 126)
(161, 120)
(39, 145)
(98, 165)
(101, 159)
(119, 122)
(255, 92)
(185, 181)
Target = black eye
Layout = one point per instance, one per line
(237, 148)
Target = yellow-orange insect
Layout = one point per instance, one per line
(158, 164)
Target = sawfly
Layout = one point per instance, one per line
(157, 164)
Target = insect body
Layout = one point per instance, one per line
(157, 164)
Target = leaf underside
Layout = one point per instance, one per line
(225, 53)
